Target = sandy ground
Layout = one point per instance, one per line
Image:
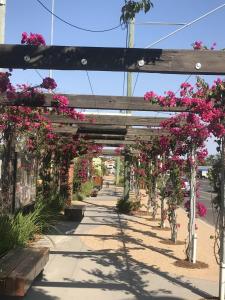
(144, 242)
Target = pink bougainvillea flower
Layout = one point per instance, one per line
(48, 83)
(35, 39)
(60, 101)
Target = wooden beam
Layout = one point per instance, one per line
(145, 132)
(110, 120)
(112, 59)
(102, 136)
(113, 103)
(72, 130)
(102, 129)
(106, 102)
(112, 143)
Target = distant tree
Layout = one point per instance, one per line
(210, 160)
(131, 8)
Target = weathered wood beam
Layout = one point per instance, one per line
(65, 129)
(110, 120)
(113, 103)
(102, 129)
(102, 136)
(106, 102)
(145, 131)
(112, 59)
(112, 143)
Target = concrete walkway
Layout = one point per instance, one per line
(77, 272)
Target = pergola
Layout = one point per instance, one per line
(116, 130)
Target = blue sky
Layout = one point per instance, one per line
(29, 16)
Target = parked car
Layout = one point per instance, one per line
(186, 186)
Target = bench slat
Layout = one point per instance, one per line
(19, 280)
(10, 261)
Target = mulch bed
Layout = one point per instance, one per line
(188, 265)
(169, 242)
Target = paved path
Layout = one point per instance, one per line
(76, 272)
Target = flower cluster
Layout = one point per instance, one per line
(48, 83)
(201, 209)
(35, 39)
(4, 81)
(60, 101)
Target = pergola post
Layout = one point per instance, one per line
(117, 170)
(192, 245)
(222, 226)
(126, 176)
(70, 184)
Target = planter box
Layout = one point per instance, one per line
(75, 212)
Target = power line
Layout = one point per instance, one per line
(186, 80)
(89, 80)
(39, 74)
(161, 23)
(177, 30)
(75, 26)
(186, 25)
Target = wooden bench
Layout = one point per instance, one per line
(75, 212)
(19, 267)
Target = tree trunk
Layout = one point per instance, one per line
(173, 226)
(163, 213)
(7, 174)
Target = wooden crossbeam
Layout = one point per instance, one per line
(145, 131)
(113, 103)
(102, 136)
(110, 120)
(113, 143)
(112, 59)
(102, 129)
(71, 130)
(106, 102)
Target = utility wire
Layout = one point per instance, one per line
(75, 26)
(186, 80)
(89, 80)
(177, 30)
(187, 25)
(39, 74)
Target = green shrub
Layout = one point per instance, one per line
(78, 197)
(124, 206)
(8, 238)
(86, 188)
(19, 229)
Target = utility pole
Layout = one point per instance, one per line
(2, 21)
(52, 30)
(129, 94)
(130, 45)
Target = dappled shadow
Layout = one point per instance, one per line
(33, 294)
(63, 228)
(115, 269)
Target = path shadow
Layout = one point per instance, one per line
(32, 294)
